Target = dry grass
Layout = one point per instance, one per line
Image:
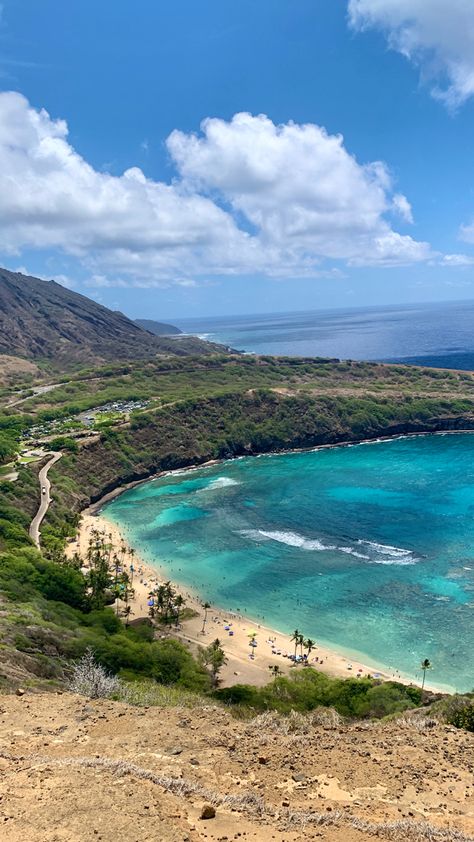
(295, 723)
(404, 830)
(417, 721)
(151, 694)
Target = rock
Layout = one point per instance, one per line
(262, 761)
(298, 778)
(208, 812)
(175, 750)
(20, 691)
(194, 762)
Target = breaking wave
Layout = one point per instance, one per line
(374, 554)
(220, 482)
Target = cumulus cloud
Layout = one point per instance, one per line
(297, 185)
(436, 35)
(248, 197)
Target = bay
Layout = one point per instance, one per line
(368, 548)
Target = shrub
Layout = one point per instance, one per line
(91, 679)
(457, 711)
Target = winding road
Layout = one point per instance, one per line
(45, 499)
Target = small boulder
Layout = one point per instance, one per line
(20, 691)
(208, 812)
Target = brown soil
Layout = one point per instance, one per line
(11, 368)
(73, 769)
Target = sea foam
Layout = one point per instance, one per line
(292, 539)
(379, 553)
(220, 482)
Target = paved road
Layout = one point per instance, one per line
(37, 390)
(45, 499)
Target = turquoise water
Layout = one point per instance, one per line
(368, 548)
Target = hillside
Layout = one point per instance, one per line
(75, 769)
(183, 411)
(44, 320)
(158, 328)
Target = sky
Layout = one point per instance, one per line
(194, 159)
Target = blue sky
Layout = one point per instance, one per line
(118, 189)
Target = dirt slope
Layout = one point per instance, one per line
(72, 769)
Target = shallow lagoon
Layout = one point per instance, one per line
(368, 548)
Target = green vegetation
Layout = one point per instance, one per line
(194, 377)
(10, 431)
(49, 619)
(457, 710)
(213, 657)
(305, 690)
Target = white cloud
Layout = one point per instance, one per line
(435, 34)
(455, 260)
(402, 206)
(298, 186)
(250, 197)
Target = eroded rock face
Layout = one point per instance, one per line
(108, 775)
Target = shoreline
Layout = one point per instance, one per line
(240, 667)
(95, 507)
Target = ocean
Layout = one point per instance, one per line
(440, 335)
(367, 548)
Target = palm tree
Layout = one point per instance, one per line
(425, 665)
(160, 594)
(169, 594)
(132, 568)
(127, 612)
(214, 657)
(178, 604)
(206, 606)
(296, 638)
(309, 645)
(275, 671)
(300, 643)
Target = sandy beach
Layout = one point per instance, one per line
(232, 630)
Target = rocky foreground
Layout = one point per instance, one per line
(73, 769)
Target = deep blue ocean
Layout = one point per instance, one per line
(368, 548)
(439, 335)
